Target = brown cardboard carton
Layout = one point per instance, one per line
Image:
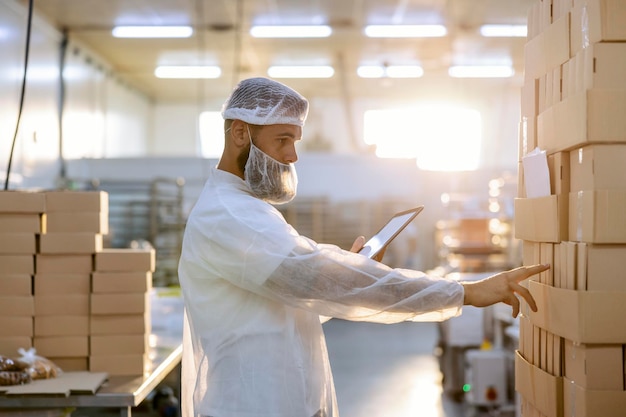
(62, 305)
(571, 268)
(603, 66)
(120, 365)
(17, 264)
(601, 267)
(76, 201)
(63, 264)
(125, 260)
(527, 135)
(17, 306)
(542, 219)
(70, 243)
(78, 222)
(80, 363)
(121, 282)
(21, 223)
(22, 202)
(16, 284)
(61, 346)
(559, 167)
(595, 366)
(599, 166)
(120, 324)
(580, 402)
(132, 303)
(10, 344)
(118, 344)
(547, 50)
(595, 21)
(62, 284)
(597, 216)
(71, 325)
(16, 326)
(18, 243)
(543, 390)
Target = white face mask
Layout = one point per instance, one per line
(269, 180)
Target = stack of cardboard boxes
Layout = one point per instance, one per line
(63, 293)
(571, 354)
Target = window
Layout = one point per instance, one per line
(211, 137)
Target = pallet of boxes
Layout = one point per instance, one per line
(570, 360)
(80, 305)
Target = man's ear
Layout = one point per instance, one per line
(239, 133)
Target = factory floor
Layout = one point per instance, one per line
(379, 371)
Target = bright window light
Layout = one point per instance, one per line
(311, 71)
(504, 31)
(481, 71)
(391, 71)
(152, 31)
(307, 31)
(441, 138)
(191, 71)
(370, 71)
(405, 31)
(211, 126)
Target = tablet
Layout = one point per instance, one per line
(389, 231)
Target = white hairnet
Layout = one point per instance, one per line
(261, 101)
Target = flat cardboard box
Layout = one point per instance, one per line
(63, 264)
(603, 66)
(125, 260)
(61, 346)
(16, 284)
(63, 385)
(71, 325)
(559, 167)
(597, 216)
(543, 390)
(118, 344)
(571, 267)
(22, 202)
(548, 50)
(17, 264)
(132, 303)
(531, 253)
(527, 135)
(599, 166)
(16, 326)
(62, 305)
(580, 402)
(595, 21)
(62, 284)
(21, 223)
(80, 363)
(120, 324)
(580, 316)
(18, 243)
(595, 366)
(120, 365)
(76, 222)
(121, 282)
(601, 267)
(76, 201)
(542, 219)
(17, 306)
(9, 345)
(70, 243)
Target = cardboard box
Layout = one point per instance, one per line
(598, 166)
(62, 305)
(17, 306)
(547, 50)
(16, 326)
(118, 344)
(22, 202)
(71, 325)
(571, 266)
(17, 264)
(559, 167)
(557, 354)
(80, 363)
(62, 284)
(580, 316)
(121, 282)
(120, 324)
(595, 366)
(61, 346)
(580, 402)
(595, 21)
(70, 243)
(10, 345)
(18, 243)
(527, 135)
(133, 303)
(78, 222)
(597, 216)
(120, 365)
(531, 254)
(76, 201)
(125, 260)
(542, 219)
(543, 390)
(601, 267)
(16, 284)
(21, 223)
(547, 257)
(63, 264)
(603, 66)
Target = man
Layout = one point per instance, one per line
(255, 290)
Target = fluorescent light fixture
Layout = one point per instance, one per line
(307, 71)
(483, 71)
(391, 71)
(504, 31)
(307, 31)
(405, 31)
(152, 31)
(189, 71)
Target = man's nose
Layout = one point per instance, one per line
(291, 157)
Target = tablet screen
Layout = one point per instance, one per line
(389, 231)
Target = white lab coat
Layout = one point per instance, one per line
(254, 291)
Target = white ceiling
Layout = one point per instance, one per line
(221, 37)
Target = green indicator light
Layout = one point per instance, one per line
(467, 388)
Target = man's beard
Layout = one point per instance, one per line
(269, 180)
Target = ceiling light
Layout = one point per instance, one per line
(308, 31)
(311, 71)
(152, 31)
(504, 31)
(476, 71)
(190, 71)
(391, 71)
(405, 31)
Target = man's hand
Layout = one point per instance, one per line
(358, 244)
(502, 287)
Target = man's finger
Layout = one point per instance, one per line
(527, 296)
(521, 273)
